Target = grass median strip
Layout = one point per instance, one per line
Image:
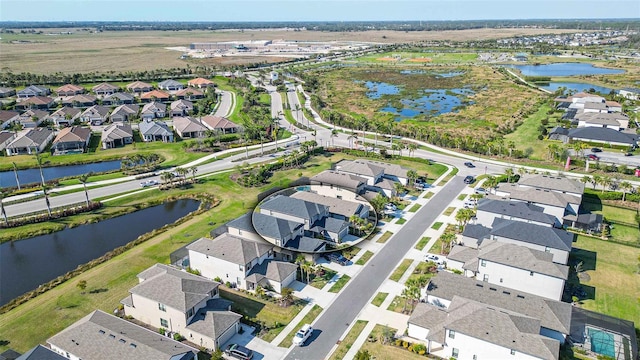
(364, 258)
(401, 269)
(379, 299)
(307, 319)
(449, 210)
(348, 340)
(401, 221)
(436, 226)
(385, 237)
(461, 197)
(423, 242)
(415, 208)
(428, 195)
(342, 281)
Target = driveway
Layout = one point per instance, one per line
(261, 349)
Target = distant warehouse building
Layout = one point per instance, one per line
(230, 45)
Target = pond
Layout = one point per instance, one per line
(28, 176)
(573, 86)
(28, 263)
(565, 69)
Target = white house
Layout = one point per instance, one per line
(615, 121)
(513, 266)
(490, 209)
(182, 303)
(552, 202)
(630, 93)
(471, 330)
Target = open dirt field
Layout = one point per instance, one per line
(83, 51)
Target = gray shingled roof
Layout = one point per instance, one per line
(187, 124)
(121, 96)
(516, 209)
(100, 336)
(306, 244)
(348, 181)
(169, 82)
(272, 270)
(538, 196)
(603, 135)
(476, 231)
(116, 131)
(153, 107)
(336, 206)
(243, 222)
(230, 248)
(523, 258)
(557, 183)
(463, 254)
(175, 288)
(37, 353)
(273, 227)
(154, 128)
(291, 206)
(33, 137)
(533, 234)
(602, 118)
(214, 319)
(554, 315)
(330, 224)
(360, 167)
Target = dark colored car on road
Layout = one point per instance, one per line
(596, 150)
(469, 164)
(592, 157)
(469, 179)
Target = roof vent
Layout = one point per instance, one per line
(494, 289)
(521, 297)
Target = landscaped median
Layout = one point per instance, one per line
(349, 339)
(308, 319)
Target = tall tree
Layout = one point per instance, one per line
(3, 212)
(15, 172)
(83, 179)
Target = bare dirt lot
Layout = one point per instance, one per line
(85, 51)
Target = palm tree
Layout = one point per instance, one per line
(334, 134)
(412, 148)
(15, 172)
(83, 179)
(447, 240)
(287, 296)
(166, 177)
(491, 182)
(39, 160)
(625, 186)
(2, 210)
(412, 175)
(596, 180)
(509, 173)
(275, 126)
(193, 170)
(606, 182)
(45, 190)
(297, 108)
(351, 138)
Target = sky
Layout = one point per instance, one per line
(312, 10)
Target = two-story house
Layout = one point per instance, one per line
(351, 182)
(490, 209)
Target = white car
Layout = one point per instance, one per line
(390, 207)
(149, 183)
(433, 258)
(302, 335)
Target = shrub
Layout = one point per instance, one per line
(178, 337)
(162, 331)
(218, 279)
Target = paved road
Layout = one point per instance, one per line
(344, 310)
(226, 104)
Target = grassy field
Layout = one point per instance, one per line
(307, 319)
(419, 58)
(364, 258)
(379, 299)
(385, 237)
(614, 288)
(345, 344)
(342, 282)
(526, 135)
(401, 269)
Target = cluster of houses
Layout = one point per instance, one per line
(596, 120)
(506, 299)
(108, 104)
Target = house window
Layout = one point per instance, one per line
(500, 279)
(547, 249)
(513, 352)
(339, 197)
(454, 353)
(483, 262)
(239, 232)
(240, 267)
(162, 307)
(475, 357)
(190, 313)
(530, 273)
(214, 292)
(164, 323)
(452, 334)
(486, 277)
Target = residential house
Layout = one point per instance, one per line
(244, 263)
(595, 107)
(118, 98)
(32, 118)
(490, 209)
(39, 352)
(604, 335)
(285, 233)
(99, 336)
(189, 94)
(95, 115)
(613, 106)
(116, 134)
(537, 237)
(35, 102)
(559, 184)
(139, 87)
(614, 121)
(603, 136)
(124, 113)
(470, 330)
(188, 128)
(155, 95)
(554, 203)
(153, 110)
(219, 124)
(33, 90)
(364, 169)
(513, 266)
(381, 177)
(30, 142)
(181, 108)
(170, 85)
(630, 93)
(338, 208)
(6, 137)
(69, 90)
(554, 316)
(65, 116)
(6, 91)
(73, 139)
(155, 131)
(201, 83)
(80, 101)
(183, 303)
(7, 117)
(105, 89)
(353, 183)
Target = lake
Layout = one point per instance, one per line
(577, 87)
(28, 176)
(28, 263)
(565, 69)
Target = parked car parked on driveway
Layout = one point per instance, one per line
(336, 258)
(434, 258)
(481, 191)
(238, 352)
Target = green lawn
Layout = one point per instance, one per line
(381, 351)
(379, 299)
(415, 208)
(347, 342)
(319, 282)
(428, 195)
(625, 233)
(401, 221)
(422, 243)
(461, 197)
(342, 281)
(398, 304)
(364, 258)
(401, 269)
(611, 213)
(307, 319)
(613, 269)
(449, 176)
(526, 135)
(436, 225)
(449, 210)
(385, 237)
